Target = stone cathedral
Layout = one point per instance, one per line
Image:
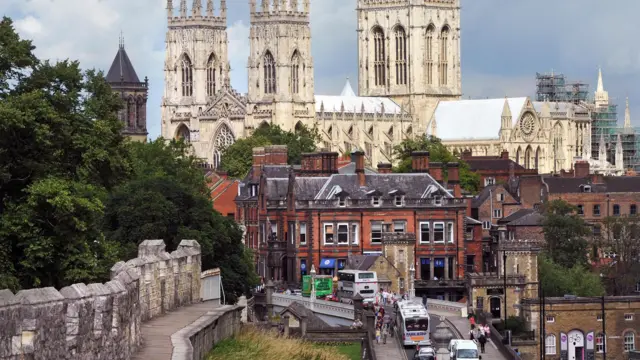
(409, 60)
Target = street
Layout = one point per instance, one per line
(435, 320)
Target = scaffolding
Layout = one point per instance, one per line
(554, 87)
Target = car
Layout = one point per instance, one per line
(425, 353)
(367, 303)
(297, 292)
(465, 349)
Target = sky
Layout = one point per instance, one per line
(504, 42)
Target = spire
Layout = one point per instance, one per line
(169, 8)
(223, 8)
(627, 116)
(121, 69)
(347, 90)
(601, 96)
(121, 46)
(306, 6)
(284, 5)
(619, 159)
(506, 110)
(252, 6)
(183, 8)
(196, 8)
(210, 8)
(600, 87)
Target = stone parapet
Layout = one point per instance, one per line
(100, 321)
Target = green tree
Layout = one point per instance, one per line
(620, 240)
(469, 180)
(61, 151)
(237, 158)
(565, 234)
(167, 199)
(557, 280)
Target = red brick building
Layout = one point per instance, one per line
(318, 215)
(495, 169)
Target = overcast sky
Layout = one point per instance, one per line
(504, 42)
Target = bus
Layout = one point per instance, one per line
(353, 282)
(324, 285)
(414, 324)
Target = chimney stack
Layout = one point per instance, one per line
(581, 169)
(384, 168)
(358, 158)
(420, 161)
(504, 155)
(467, 154)
(275, 155)
(453, 178)
(258, 161)
(435, 169)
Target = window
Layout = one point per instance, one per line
(497, 213)
(550, 345)
(328, 233)
(444, 47)
(274, 229)
(438, 232)
(629, 341)
(488, 181)
(399, 226)
(269, 67)
(401, 256)
(399, 200)
(342, 202)
(343, 233)
(599, 317)
(616, 210)
(401, 283)
(354, 234)
(551, 318)
(596, 210)
(429, 46)
(586, 188)
(376, 232)
(600, 343)
(628, 317)
(580, 210)
(211, 76)
(187, 76)
(379, 59)
(295, 67)
(424, 232)
(633, 209)
(437, 200)
(401, 56)
(450, 232)
(375, 201)
(638, 287)
(500, 197)
(597, 230)
(486, 225)
(303, 234)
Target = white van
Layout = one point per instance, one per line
(465, 349)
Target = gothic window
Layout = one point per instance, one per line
(401, 56)
(187, 76)
(429, 46)
(390, 132)
(269, 67)
(444, 66)
(182, 133)
(141, 113)
(295, 68)
(371, 131)
(537, 158)
(211, 75)
(223, 139)
(350, 131)
(379, 62)
(330, 132)
(527, 157)
(518, 155)
(133, 113)
(409, 131)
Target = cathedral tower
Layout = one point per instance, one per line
(196, 67)
(410, 50)
(123, 79)
(280, 66)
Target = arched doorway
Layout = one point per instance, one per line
(182, 133)
(576, 345)
(495, 307)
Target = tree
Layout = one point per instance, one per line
(620, 240)
(60, 152)
(557, 280)
(469, 180)
(166, 198)
(238, 158)
(565, 234)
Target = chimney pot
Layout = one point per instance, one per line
(435, 169)
(504, 155)
(358, 158)
(420, 161)
(384, 168)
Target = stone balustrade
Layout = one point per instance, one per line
(324, 307)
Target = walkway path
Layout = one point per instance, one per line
(156, 333)
(463, 325)
(392, 350)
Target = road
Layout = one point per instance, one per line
(435, 321)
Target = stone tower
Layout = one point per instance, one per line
(410, 51)
(123, 79)
(280, 66)
(196, 66)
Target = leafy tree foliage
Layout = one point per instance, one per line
(565, 234)
(620, 239)
(469, 180)
(557, 280)
(238, 158)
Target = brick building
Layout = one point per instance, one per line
(578, 328)
(223, 192)
(495, 169)
(315, 215)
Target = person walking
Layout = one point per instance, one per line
(482, 340)
(377, 334)
(471, 332)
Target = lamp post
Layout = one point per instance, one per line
(412, 276)
(504, 271)
(313, 285)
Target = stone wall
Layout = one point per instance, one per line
(100, 321)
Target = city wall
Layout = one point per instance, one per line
(100, 321)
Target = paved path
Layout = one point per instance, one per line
(156, 333)
(392, 350)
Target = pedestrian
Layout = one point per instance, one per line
(377, 334)
(482, 340)
(471, 331)
(487, 330)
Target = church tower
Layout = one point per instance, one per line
(196, 67)
(280, 66)
(123, 79)
(410, 51)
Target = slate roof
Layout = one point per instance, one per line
(308, 187)
(351, 169)
(355, 104)
(361, 262)
(484, 195)
(523, 217)
(121, 69)
(611, 184)
(492, 164)
(313, 321)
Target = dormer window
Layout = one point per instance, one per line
(342, 202)
(586, 188)
(437, 200)
(254, 190)
(399, 200)
(375, 201)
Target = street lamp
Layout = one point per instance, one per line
(313, 285)
(412, 275)
(504, 270)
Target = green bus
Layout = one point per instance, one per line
(324, 285)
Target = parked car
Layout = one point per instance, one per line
(425, 353)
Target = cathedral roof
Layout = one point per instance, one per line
(121, 69)
(355, 104)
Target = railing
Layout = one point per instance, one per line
(408, 203)
(440, 283)
(324, 307)
(524, 336)
(446, 306)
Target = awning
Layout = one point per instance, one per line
(328, 263)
